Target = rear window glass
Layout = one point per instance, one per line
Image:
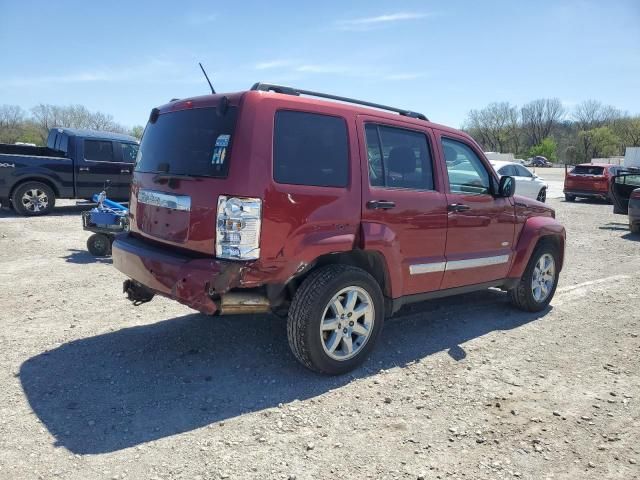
(310, 149)
(508, 170)
(587, 170)
(129, 152)
(98, 150)
(194, 142)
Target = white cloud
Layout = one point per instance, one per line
(298, 69)
(146, 71)
(323, 68)
(404, 76)
(272, 64)
(367, 23)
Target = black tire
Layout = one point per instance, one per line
(44, 193)
(634, 227)
(542, 195)
(522, 295)
(570, 198)
(307, 308)
(99, 245)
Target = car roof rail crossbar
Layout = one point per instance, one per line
(268, 87)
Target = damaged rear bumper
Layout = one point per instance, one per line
(199, 283)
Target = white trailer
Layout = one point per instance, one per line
(632, 157)
(500, 157)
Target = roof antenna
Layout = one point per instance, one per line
(207, 77)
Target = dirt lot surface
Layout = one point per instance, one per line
(460, 388)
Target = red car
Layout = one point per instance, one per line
(336, 214)
(589, 180)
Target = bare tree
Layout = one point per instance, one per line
(514, 128)
(72, 116)
(592, 114)
(539, 117)
(495, 125)
(11, 118)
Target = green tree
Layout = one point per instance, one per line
(599, 142)
(30, 133)
(628, 129)
(136, 131)
(547, 148)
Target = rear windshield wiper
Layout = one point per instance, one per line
(170, 179)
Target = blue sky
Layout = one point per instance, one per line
(438, 58)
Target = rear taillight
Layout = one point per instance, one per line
(238, 228)
(635, 194)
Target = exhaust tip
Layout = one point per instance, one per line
(244, 302)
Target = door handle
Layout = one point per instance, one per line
(125, 170)
(458, 207)
(83, 169)
(380, 204)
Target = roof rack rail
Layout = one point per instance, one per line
(268, 87)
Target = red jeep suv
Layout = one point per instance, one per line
(275, 199)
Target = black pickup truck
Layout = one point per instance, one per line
(74, 164)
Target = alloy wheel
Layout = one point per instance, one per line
(347, 323)
(35, 200)
(542, 196)
(544, 276)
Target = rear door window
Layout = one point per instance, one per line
(98, 150)
(310, 149)
(398, 158)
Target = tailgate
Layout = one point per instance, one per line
(181, 169)
(586, 178)
(184, 216)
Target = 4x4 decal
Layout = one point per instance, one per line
(7, 165)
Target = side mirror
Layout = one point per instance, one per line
(507, 186)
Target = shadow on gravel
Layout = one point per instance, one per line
(57, 211)
(83, 257)
(634, 237)
(615, 226)
(134, 385)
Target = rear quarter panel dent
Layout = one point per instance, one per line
(380, 238)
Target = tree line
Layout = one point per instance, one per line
(541, 127)
(545, 127)
(19, 125)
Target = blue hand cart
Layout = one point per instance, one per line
(105, 221)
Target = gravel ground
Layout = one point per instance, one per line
(464, 387)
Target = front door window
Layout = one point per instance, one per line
(466, 171)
